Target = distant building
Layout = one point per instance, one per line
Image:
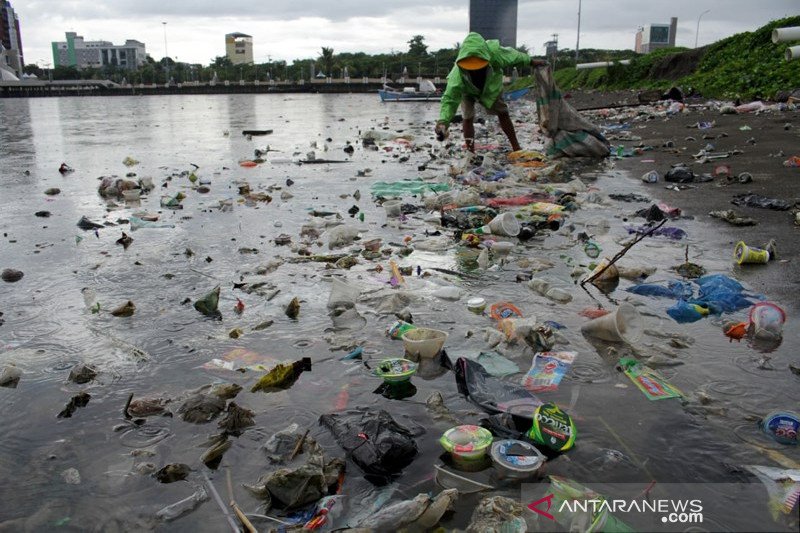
(11, 38)
(494, 19)
(76, 52)
(654, 36)
(239, 48)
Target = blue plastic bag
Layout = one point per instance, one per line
(684, 312)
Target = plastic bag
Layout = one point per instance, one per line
(373, 440)
(492, 394)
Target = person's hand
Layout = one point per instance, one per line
(441, 131)
(539, 63)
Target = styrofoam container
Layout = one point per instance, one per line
(425, 343)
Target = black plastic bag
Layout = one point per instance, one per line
(373, 440)
(490, 393)
(679, 175)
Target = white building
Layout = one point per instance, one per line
(239, 48)
(76, 52)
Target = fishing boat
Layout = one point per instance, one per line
(426, 92)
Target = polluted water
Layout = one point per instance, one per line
(242, 328)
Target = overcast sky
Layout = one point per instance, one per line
(297, 29)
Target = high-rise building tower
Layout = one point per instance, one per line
(239, 48)
(10, 37)
(494, 19)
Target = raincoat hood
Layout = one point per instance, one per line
(459, 85)
(474, 46)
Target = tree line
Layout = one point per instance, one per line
(412, 62)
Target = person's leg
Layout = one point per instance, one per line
(468, 122)
(468, 126)
(508, 128)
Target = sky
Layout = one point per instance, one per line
(298, 29)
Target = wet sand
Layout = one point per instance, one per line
(760, 147)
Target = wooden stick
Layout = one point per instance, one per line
(299, 445)
(623, 252)
(248, 526)
(127, 405)
(221, 505)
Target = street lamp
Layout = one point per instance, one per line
(578, 43)
(166, 51)
(697, 31)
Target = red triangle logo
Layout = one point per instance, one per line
(534, 506)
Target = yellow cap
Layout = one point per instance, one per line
(472, 63)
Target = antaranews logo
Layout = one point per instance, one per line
(671, 511)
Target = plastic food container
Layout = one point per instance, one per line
(467, 445)
(516, 459)
(476, 305)
(395, 370)
(425, 343)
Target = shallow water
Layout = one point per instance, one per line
(160, 350)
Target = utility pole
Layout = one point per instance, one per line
(166, 52)
(578, 43)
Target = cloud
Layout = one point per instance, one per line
(286, 30)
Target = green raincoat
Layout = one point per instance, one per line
(459, 84)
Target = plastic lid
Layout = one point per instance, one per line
(503, 453)
(476, 302)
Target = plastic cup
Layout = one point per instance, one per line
(766, 320)
(505, 224)
(743, 254)
(623, 325)
(424, 343)
(393, 208)
(610, 274)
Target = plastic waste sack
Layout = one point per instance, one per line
(373, 440)
(569, 134)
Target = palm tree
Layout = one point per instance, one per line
(327, 60)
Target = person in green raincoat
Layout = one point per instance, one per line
(478, 76)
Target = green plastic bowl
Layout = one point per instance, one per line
(395, 370)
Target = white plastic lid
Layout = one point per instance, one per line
(519, 463)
